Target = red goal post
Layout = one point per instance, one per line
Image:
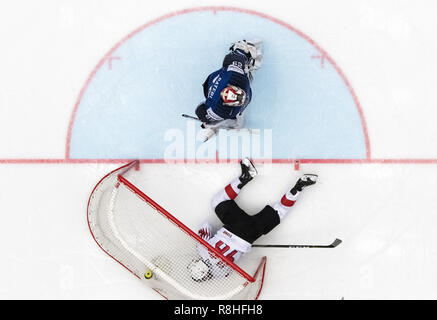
(144, 237)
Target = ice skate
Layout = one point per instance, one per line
(303, 182)
(208, 132)
(248, 172)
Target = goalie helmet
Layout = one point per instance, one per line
(233, 96)
(199, 270)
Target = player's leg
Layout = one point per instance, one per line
(202, 114)
(211, 128)
(236, 123)
(288, 200)
(221, 201)
(212, 123)
(271, 216)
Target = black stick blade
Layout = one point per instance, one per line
(335, 243)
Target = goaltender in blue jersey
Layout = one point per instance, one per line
(227, 91)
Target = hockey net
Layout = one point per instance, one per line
(143, 237)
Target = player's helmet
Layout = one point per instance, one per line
(199, 270)
(233, 96)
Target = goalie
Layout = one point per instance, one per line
(227, 91)
(239, 229)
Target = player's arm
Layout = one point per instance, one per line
(205, 87)
(246, 55)
(205, 231)
(235, 61)
(231, 191)
(283, 206)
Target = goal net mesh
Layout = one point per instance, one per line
(145, 238)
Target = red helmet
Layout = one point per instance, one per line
(233, 96)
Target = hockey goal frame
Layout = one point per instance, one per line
(121, 179)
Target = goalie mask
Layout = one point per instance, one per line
(199, 270)
(233, 96)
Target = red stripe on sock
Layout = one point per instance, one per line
(286, 202)
(230, 192)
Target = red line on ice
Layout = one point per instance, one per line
(110, 61)
(230, 161)
(322, 59)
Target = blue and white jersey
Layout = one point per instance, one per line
(232, 73)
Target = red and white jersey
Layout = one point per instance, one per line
(230, 245)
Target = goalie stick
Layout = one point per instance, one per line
(335, 243)
(251, 131)
(190, 117)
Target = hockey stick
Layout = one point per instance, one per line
(190, 117)
(332, 245)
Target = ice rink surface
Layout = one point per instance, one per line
(360, 73)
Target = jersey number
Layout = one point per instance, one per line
(223, 250)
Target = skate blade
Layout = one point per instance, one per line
(311, 176)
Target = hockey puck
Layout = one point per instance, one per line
(148, 274)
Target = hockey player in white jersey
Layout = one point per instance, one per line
(239, 229)
(228, 90)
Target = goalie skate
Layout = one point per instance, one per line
(208, 133)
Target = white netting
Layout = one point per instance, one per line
(144, 237)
